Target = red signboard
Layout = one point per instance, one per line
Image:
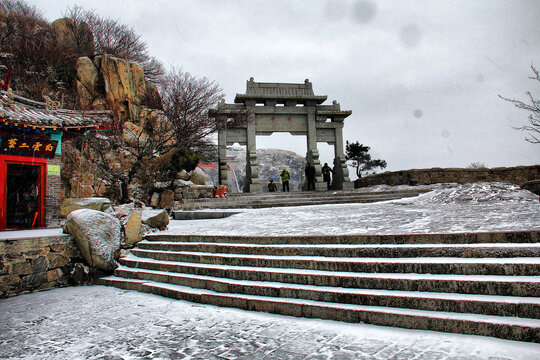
(27, 146)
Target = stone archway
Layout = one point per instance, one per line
(282, 107)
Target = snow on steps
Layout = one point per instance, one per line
(481, 283)
(281, 199)
(473, 324)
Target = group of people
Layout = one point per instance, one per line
(285, 177)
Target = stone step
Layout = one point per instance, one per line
(511, 328)
(526, 286)
(259, 204)
(451, 238)
(524, 266)
(478, 304)
(364, 250)
(294, 199)
(202, 215)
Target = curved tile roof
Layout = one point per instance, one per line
(18, 110)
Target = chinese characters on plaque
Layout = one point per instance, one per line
(27, 146)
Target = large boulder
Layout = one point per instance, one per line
(87, 82)
(77, 38)
(97, 235)
(133, 228)
(155, 218)
(94, 203)
(125, 87)
(198, 177)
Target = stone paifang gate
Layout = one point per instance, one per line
(280, 107)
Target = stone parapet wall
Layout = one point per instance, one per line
(30, 264)
(516, 175)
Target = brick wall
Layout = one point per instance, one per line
(53, 197)
(517, 175)
(37, 263)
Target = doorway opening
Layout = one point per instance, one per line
(24, 200)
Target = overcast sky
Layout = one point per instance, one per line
(421, 77)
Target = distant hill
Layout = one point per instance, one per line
(270, 163)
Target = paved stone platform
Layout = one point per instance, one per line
(96, 322)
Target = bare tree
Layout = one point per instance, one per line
(120, 40)
(122, 153)
(38, 65)
(533, 127)
(186, 102)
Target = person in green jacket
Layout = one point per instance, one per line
(285, 176)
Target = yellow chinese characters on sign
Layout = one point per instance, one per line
(53, 170)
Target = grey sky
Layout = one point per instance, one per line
(421, 77)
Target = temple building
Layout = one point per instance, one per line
(31, 135)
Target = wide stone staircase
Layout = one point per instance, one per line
(471, 283)
(300, 198)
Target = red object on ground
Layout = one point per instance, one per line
(221, 192)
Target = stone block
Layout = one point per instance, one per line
(34, 280)
(21, 268)
(57, 260)
(154, 200)
(167, 199)
(53, 275)
(40, 264)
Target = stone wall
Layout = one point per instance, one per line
(517, 175)
(30, 264)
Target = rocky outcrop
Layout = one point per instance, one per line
(77, 39)
(97, 235)
(117, 84)
(125, 86)
(270, 162)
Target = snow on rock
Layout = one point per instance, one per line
(97, 235)
(485, 192)
(155, 218)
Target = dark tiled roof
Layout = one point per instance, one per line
(21, 111)
(261, 91)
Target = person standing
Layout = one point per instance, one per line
(326, 170)
(310, 176)
(285, 176)
(272, 186)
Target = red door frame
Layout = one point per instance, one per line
(22, 160)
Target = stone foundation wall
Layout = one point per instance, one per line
(30, 264)
(517, 175)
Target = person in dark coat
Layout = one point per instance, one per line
(326, 170)
(272, 186)
(310, 176)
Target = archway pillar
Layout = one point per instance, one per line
(222, 151)
(252, 170)
(341, 180)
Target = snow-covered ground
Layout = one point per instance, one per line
(96, 322)
(447, 208)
